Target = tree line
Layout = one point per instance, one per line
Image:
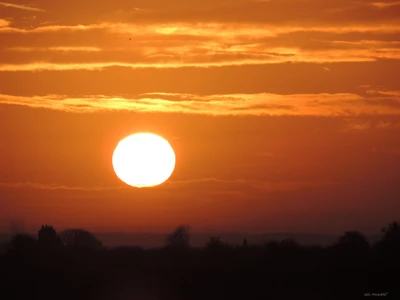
(74, 264)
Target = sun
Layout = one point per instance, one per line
(143, 160)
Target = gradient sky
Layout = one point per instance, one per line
(284, 114)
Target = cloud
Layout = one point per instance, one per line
(256, 184)
(371, 124)
(383, 92)
(270, 12)
(368, 43)
(220, 105)
(51, 28)
(47, 186)
(274, 12)
(57, 49)
(183, 57)
(226, 30)
(4, 23)
(387, 125)
(385, 4)
(210, 183)
(20, 6)
(62, 47)
(359, 126)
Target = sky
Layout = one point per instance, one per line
(284, 115)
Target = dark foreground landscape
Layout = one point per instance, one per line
(73, 264)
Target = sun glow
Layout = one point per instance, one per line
(143, 160)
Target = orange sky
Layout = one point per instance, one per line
(284, 114)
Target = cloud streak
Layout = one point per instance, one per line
(385, 4)
(4, 23)
(56, 49)
(187, 56)
(20, 6)
(63, 47)
(44, 66)
(211, 183)
(221, 105)
(225, 30)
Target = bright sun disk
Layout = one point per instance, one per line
(143, 160)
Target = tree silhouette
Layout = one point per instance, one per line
(179, 238)
(390, 243)
(23, 243)
(282, 269)
(271, 246)
(392, 232)
(351, 250)
(47, 237)
(355, 240)
(214, 243)
(79, 239)
(289, 243)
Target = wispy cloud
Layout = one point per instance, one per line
(211, 183)
(359, 126)
(273, 12)
(202, 57)
(369, 43)
(21, 6)
(53, 28)
(55, 186)
(385, 4)
(220, 105)
(371, 124)
(260, 12)
(4, 23)
(395, 94)
(45, 66)
(225, 30)
(187, 45)
(57, 49)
